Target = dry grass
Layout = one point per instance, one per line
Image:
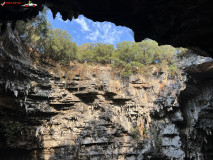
(68, 72)
(59, 71)
(116, 86)
(98, 79)
(69, 75)
(142, 129)
(83, 70)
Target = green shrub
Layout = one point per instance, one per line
(103, 53)
(135, 133)
(145, 131)
(137, 64)
(173, 69)
(146, 71)
(181, 52)
(145, 52)
(87, 56)
(128, 58)
(59, 46)
(126, 71)
(139, 57)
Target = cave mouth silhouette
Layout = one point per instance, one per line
(84, 30)
(208, 148)
(179, 23)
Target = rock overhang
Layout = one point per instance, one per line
(179, 23)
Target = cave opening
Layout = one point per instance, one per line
(79, 67)
(84, 30)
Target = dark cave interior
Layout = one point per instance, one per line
(179, 23)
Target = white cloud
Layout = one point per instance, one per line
(97, 24)
(93, 36)
(83, 23)
(105, 33)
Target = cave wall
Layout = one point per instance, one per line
(198, 112)
(100, 115)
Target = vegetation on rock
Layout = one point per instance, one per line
(135, 133)
(129, 57)
(59, 46)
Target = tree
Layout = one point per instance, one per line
(84, 47)
(34, 32)
(182, 52)
(146, 52)
(86, 56)
(125, 52)
(123, 57)
(173, 69)
(103, 53)
(166, 52)
(129, 57)
(85, 53)
(60, 46)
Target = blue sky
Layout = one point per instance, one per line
(84, 30)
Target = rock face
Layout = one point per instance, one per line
(179, 23)
(99, 115)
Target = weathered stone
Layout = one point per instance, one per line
(177, 117)
(170, 130)
(126, 119)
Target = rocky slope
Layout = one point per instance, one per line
(99, 115)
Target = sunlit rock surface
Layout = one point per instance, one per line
(100, 115)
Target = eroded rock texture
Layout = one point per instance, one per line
(99, 115)
(180, 23)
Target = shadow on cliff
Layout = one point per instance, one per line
(100, 138)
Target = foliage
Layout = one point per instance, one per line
(100, 53)
(162, 66)
(165, 53)
(59, 71)
(181, 52)
(145, 71)
(133, 57)
(173, 70)
(127, 70)
(69, 75)
(60, 46)
(128, 58)
(86, 56)
(135, 133)
(52, 43)
(34, 32)
(145, 131)
(103, 53)
(83, 70)
(124, 52)
(146, 52)
(123, 57)
(85, 53)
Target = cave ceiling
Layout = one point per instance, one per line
(181, 23)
